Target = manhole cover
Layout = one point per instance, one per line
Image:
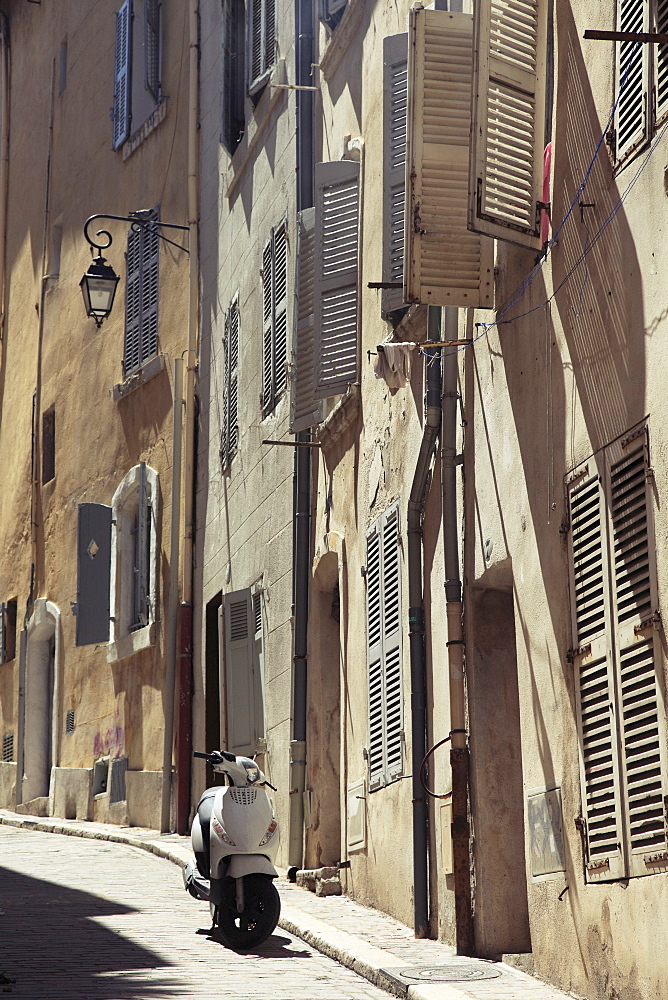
(456, 972)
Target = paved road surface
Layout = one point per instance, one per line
(92, 920)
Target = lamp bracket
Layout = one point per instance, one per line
(140, 220)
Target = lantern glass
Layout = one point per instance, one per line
(98, 287)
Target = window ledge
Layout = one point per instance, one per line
(149, 125)
(343, 416)
(144, 374)
(342, 37)
(132, 643)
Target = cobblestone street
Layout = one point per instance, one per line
(94, 920)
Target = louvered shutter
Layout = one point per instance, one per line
(261, 42)
(269, 9)
(375, 658)
(661, 60)
(230, 429)
(384, 657)
(267, 325)
(132, 352)
(336, 276)
(638, 654)
(395, 93)
(3, 649)
(152, 48)
(445, 264)
(122, 61)
(631, 78)
(240, 680)
(305, 410)
(594, 672)
(150, 260)
(142, 552)
(280, 292)
(508, 136)
(93, 573)
(258, 667)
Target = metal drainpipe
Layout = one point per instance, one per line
(303, 13)
(4, 162)
(459, 753)
(416, 629)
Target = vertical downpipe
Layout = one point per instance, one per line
(459, 753)
(303, 13)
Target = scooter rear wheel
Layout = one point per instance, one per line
(262, 908)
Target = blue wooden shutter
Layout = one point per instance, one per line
(132, 353)
(122, 63)
(152, 48)
(149, 263)
(336, 276)
(93, 573)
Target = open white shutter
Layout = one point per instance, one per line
(394, 699)
(661, 60)
(395, 96)
(631, 78)
(240, 669)
(445, 264)
(638, 655)
(508, 137)
(594, 675)
(336, 276)
(375, 658)
(121, 111)
(305, 410)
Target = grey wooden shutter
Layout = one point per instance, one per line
(638, 654)
(230, 429)
(261, 42)
(305, 410)
(267, 324)
(384, 651)
(3, 649)
(269, 32)
(152, 48)
(632, 76)
(445, 264)
(594, 671)
(375, 658)
(150, 260)
(508, 136)
(240, 673)
(132, 348)
(336, 276)
(661, 60)
(122, 63)
(258, 667)
(93, 573)
(280, 320)
(395, 94)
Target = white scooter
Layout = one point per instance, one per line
(235, 839)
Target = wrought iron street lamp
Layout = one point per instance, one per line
(98, 285)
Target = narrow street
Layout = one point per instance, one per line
(93, 920)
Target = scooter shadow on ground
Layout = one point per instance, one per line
(275, 946)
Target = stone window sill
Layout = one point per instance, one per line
(131, 643)
(343, 416)
(144, 130)
(342, 37)
(144, 374)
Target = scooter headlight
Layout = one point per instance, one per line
(271, 830)
(221, 833)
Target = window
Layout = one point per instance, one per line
(141, 302)
(230, 416)
(336, 319)
(330, 12)
(384, 657)
(48, 445)
(7, 631)
(243, 613)
(137, 90)
(261, 43)
(134, 562)
(274, 317)
(445, 263)
(618, 662)
(234, 73)
(509, 112)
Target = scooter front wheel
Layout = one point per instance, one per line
(262, 908)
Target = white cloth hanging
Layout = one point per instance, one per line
(393, 363)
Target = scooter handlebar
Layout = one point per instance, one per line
(216, 756)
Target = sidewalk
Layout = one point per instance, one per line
(369, 942)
